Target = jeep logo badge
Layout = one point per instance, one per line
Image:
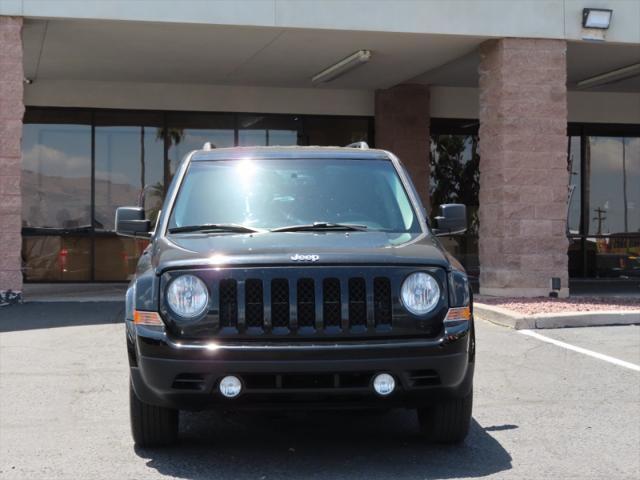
(305, 258)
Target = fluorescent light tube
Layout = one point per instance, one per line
(343, 66)
(610, 77)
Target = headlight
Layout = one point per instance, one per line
(420, 293)
(187, 296)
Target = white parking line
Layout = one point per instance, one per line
(591, 353)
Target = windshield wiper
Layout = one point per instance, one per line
(321, 226)
(213, 227)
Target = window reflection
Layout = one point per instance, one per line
(575, 193)
(187, 132)
(455, 178)
(134, 152)
(613, 164)
(127, 159)
(118, 257)
(613, 257)
(56, 176)
(57, 258)
(261, 130)
(335, 131)
(611, 218)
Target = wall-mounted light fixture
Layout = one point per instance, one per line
(610, 77)
(27, 81)
(599, 18)
(343, 66)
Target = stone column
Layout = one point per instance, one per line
(11, 112)
(402, 127)
(523, 167)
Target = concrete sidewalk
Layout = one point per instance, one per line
(518, 321)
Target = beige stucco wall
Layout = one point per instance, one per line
(211, 98)
(596, 107)
(446, 102)
(487, 18)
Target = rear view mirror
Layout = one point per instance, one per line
(452, 220)
(131, 222)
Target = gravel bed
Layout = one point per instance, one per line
(532, 306)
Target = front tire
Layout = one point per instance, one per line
(448, 421)
(152, 426)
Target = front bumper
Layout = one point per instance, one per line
(304, 374)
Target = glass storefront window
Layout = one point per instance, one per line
(613, 256)
(118, 257)
(575, 256)
(455, 178)
(187, 132)
(129, 157)
(57, 258)
(335, 131)
(56, 196)
(613, 199)
(261, 130)
(141, 150)
(56, 174)
(609, 246)
(575, 191)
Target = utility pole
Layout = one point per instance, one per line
(600, 218)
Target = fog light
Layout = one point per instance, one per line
(384, 384)
(230, 386)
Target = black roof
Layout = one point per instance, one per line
(237, 153)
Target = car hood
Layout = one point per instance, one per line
(315, 248)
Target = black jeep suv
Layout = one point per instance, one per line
(297, 277)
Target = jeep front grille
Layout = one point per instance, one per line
(341, 303)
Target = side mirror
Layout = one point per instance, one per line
(131, 222)
(452, 220)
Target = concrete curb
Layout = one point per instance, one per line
(508, 318)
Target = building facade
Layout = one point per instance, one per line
(521, 110)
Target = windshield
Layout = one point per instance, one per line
(270, 194)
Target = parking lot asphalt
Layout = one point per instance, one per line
(541, 411)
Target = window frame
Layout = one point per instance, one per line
(584, 131)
